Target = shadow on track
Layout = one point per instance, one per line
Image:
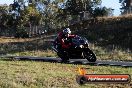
(71, 61)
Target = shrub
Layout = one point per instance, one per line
(21, 33)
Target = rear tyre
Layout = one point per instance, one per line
(64, 57)
(89, 55)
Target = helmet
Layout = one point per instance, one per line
(67, 31)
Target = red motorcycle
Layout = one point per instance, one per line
(80, 49)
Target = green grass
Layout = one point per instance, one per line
(44, 53)
(101, 53)
(40, 47)
(112, 54)
(31, 74)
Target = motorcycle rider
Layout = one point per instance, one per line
(62, 37)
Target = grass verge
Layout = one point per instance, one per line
(39, 47)
(33, 74)
(111, 54)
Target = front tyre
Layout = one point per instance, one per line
(89, 55)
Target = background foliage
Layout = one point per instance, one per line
(40, 16)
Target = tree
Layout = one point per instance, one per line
(34, 18)
(81, 5)
(102, 12)
(77, 8)
(25, 16)
(3, 15)
(52, 14)
(126, 5)
(73, 7)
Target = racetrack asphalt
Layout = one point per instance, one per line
(74, 61)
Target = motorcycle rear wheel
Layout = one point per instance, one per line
(63, 57)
